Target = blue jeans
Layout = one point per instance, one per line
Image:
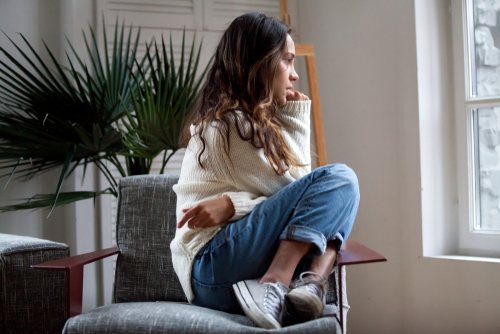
(316, 208)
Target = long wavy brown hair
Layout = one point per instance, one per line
(241, 78)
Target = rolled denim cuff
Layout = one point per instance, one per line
(340, 239)
(340, 242)
(305, 234)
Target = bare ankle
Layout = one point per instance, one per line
(272, 279)
(268, 279)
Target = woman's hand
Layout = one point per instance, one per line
(208, 213)
(293, 95)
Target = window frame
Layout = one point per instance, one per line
(472, 241)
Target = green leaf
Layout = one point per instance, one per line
(12, 173)
(97, 135)
(160, 105)
(44, 201)
(62, 177)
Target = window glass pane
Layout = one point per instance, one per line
(485, 42)
(487, 126)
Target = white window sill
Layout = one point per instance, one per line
(465, 258)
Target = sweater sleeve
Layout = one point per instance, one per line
(295, 117)
(243, 202)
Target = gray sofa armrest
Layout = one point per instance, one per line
(31, 301)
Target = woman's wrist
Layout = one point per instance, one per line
(230, 211)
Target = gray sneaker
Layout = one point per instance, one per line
(263, 303)
(307, 296)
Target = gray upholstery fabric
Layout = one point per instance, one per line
(32, 301)
(146, 225)
(332, 294)
(178, 318)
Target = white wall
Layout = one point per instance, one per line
(367, 71)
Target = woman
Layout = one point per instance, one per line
(251, 215)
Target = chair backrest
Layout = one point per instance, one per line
(145, 226)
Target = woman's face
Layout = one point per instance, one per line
(285, 75)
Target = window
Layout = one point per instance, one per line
(476, 47)
(483, 86)
(458, 62)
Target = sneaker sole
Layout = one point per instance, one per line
(251, 309)
(305, 305)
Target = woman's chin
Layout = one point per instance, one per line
(282, 102)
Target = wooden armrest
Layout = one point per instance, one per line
(73, 266)
(353, 252)
(77, 260)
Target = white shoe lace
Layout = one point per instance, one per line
(273, 299)
(311, 284)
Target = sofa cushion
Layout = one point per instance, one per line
(146, 224)
(31, 301)
(177, 318)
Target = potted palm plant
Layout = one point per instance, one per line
(53, 116)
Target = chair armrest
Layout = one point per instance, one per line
(74, 270)
(353, 252)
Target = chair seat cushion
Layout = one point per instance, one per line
(172, 317)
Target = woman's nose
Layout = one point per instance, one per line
(293, 75)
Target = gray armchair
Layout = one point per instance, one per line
(148, 297)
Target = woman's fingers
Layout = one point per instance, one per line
(196, 221)
(303, 97)
(195, 217)
(188, 215)
(202, 219)
(293, 95)
(296, 95)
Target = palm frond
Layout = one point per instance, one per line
(161, 103)
(45, 200)
(58, 116)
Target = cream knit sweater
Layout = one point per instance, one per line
(249, 182)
